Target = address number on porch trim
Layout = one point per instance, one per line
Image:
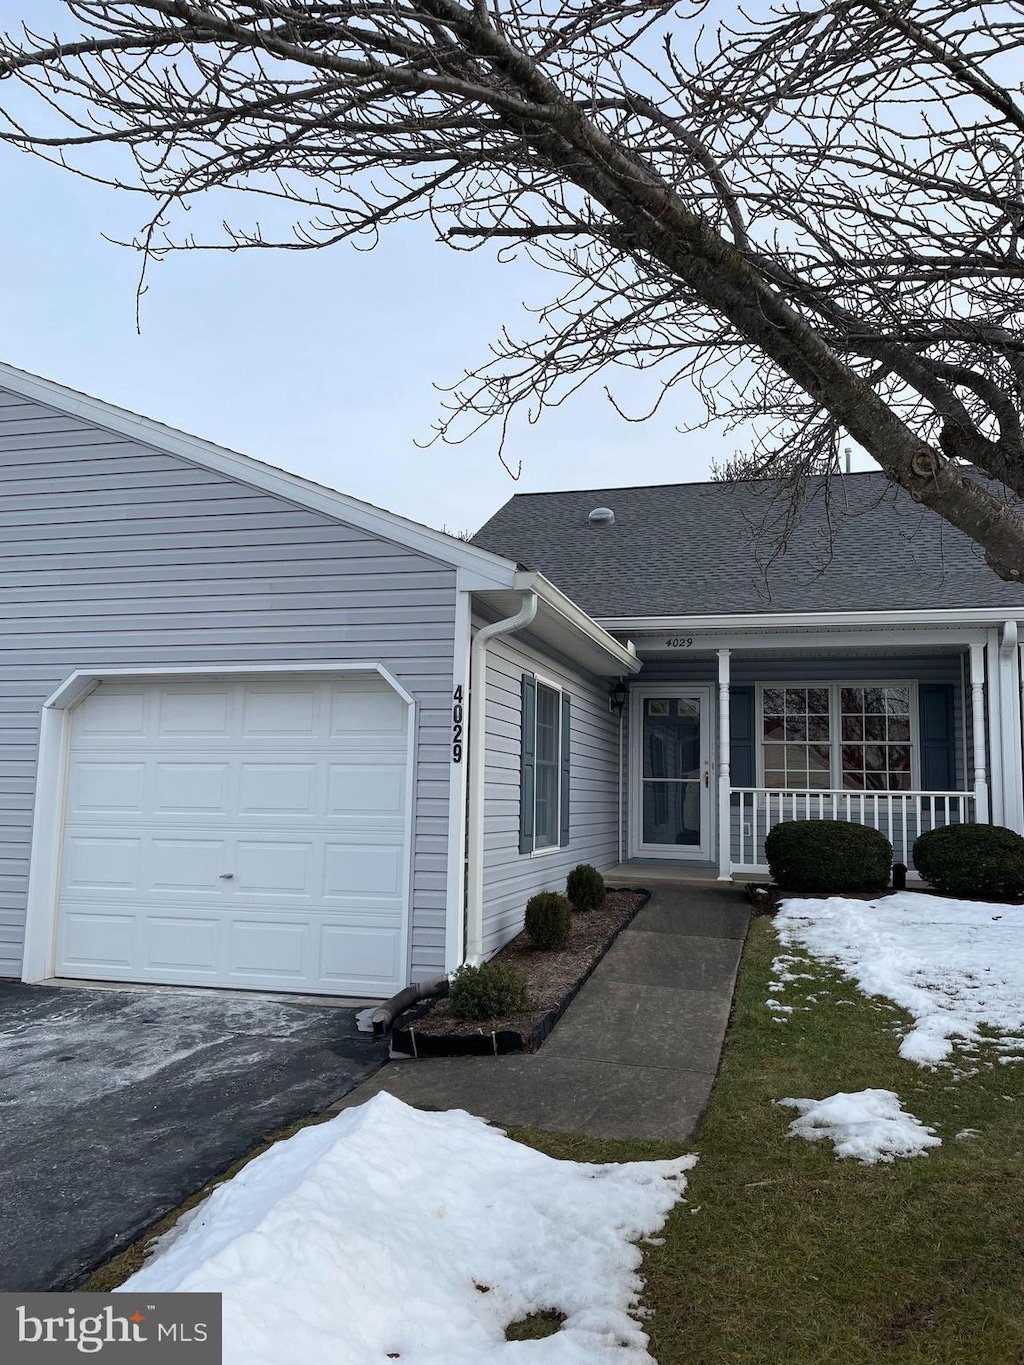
(680, 642)
(457, 724)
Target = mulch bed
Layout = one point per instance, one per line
(552, 979)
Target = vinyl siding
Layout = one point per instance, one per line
(511, 877)
(113, 554)
(940, 668)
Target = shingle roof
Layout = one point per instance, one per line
(695, 549)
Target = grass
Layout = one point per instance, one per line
(783, 1254)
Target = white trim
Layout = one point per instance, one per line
(575, 618)
(43, 902)
(458, 793)
(682, 853)
(978, 753)
(724, 770)
(995, 728)
(492, 569)
(772, 620)
(835, 727)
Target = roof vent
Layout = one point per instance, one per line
(601, 516)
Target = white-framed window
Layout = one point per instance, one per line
(547, 803)
(853, 736)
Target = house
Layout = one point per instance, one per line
(260, 734)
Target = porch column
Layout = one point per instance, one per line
(724, 779)
(978, 733)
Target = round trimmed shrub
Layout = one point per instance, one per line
(489, 991)
(548, 920)
(584, 888)
(828, 857)
(972, 860)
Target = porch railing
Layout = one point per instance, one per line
(901, 816)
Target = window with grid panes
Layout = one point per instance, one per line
(857, 738)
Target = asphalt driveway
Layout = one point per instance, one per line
(116, 1105)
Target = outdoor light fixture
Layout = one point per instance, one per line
(617, 697)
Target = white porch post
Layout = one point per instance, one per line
(724, 779)
(978, 733)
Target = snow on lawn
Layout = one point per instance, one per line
(870, 1125)
(391, 1232)
(956, 966)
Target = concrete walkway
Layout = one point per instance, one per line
(636, 1053)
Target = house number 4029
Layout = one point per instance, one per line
(457, 723)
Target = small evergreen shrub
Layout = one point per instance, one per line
(828, 857)
(585, 888)
(972, 860)
(489, 991)
(548, 920)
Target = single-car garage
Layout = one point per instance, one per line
(248, 832)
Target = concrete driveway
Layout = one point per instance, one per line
(115, 1105)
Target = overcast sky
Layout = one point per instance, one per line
(320, 362)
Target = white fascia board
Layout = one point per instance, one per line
(577, 619)
(279, 482)
(827, 620)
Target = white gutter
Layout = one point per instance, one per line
(477, 771)
(555, 600)
(959, 616)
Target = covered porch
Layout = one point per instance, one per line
(904, 726)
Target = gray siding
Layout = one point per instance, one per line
(114, 554)
(940, 668)
(511, 877)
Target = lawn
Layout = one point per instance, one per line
(783, 1254)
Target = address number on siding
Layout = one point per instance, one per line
(457, 724)
(679, 642)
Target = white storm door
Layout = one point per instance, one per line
(251, 834)
(671, 773)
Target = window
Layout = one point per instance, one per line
(820, 737)
(544, 774)
(546, 803)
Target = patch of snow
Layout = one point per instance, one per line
(953, 965)
(870, 1125)
(364, 1019)
(373, 1233)
(779, 1006)
(969, 1133)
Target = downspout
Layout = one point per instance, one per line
(477, 770)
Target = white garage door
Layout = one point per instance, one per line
(248, 834)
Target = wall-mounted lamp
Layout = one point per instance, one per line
(617, 697)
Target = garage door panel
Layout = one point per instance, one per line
(189, 713)
(277, 788)
(186, 865)
(281, 712)
(354, 711)
(372, 956)
(189, 787)
(94, 940)
(271, 948)
(102, 863)
(244, 834)
(273, 869)
(191, 944)
(355, 788)
(106, 786)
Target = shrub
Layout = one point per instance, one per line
(972, 860)
(491, 990)
(585, 888)
(828, 856)
(548, 920)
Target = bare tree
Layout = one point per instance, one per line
(814, 215)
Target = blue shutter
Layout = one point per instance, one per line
(527, 770)
(743, 753)
(938, 763)
(566, 738)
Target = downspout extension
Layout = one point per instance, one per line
(477, 765)
(385, 1015)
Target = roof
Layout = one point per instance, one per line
(696, 549)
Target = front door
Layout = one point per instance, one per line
(671, 773)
